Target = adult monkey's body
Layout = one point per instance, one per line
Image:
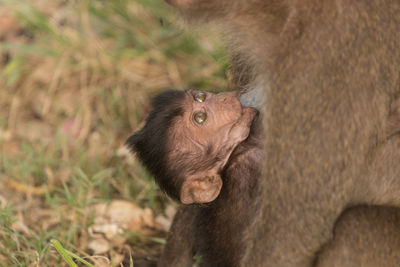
(329, 71)
(363, 236)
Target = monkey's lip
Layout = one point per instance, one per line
(250, 110)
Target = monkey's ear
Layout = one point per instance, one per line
(201, 188)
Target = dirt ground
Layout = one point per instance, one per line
(75, 81)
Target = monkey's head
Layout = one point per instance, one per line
(187, 140)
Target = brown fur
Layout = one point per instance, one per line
(186, 157)
(364, 236)
(393, 125)
(216, 230)
(329, 71)
(179, 249)
(196, 159)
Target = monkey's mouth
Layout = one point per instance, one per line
(251, 111)
(248, 116)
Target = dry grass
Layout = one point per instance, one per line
(75, 78)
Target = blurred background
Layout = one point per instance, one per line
(75, 80)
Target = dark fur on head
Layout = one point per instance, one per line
(150, 142)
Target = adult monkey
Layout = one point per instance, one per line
(313, 59)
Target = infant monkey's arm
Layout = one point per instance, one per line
(179, 248)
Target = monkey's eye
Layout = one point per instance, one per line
(200, 117)
(200, 97)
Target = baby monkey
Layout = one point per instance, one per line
(204, 148)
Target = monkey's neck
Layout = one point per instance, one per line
(224, 221)
(242, 173)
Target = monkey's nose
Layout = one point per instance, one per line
(229, 95)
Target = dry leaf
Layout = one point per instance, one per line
(113, 219)
(109, 230)
(126, 215)
(99, 245)
(117, 259)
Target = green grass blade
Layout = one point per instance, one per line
(64, 254)
(79, 259)
(153, 239)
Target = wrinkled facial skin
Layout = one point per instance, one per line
(222, 110)
(223, 116)
(211, 127)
